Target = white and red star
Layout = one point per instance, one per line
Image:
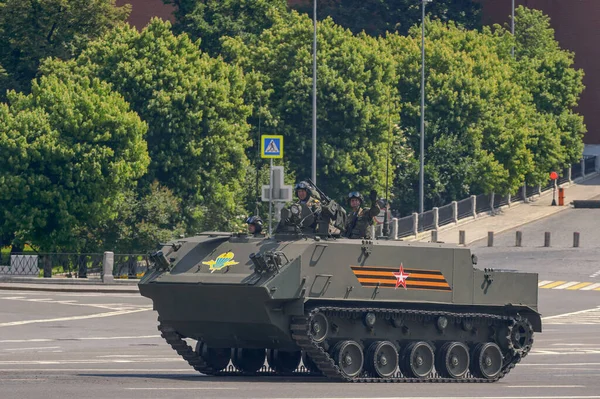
(401, 277)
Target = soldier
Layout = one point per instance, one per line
(255, 225)
(307, 195)
(359, 220)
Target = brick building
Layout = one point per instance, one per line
(575, 23)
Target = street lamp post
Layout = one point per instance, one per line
(314, 126)
(512, 27)
(422, 152)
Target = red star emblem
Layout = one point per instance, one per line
(401, 277)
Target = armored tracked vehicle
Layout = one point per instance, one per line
(349, 310)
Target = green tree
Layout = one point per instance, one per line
(68, 149)
(547, 71)
(355, 90)
(477, 115)
(376, 17)
(210, 20)
(35, 29)
(144, 218)
(194, 108)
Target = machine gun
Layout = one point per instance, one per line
(333, 216)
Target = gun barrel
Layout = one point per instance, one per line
(321, 193)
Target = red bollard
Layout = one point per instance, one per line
(561, 196)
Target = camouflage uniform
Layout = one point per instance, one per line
(358, 222)
(312, 200)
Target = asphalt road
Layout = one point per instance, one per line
(81, 345)
(560, 261)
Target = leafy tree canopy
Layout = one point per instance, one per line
(35, 29)
(194, 108)
(210, 20)
(68, 149)
(376, 17)
(145, 218)
(547, 71)
(477, 115)
(356, 87)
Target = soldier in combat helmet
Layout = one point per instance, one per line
(359, 220)
(307, 195)
(255, 225)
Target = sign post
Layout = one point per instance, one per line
(553, 177)
(271, 147)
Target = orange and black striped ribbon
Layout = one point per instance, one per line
(370, 276)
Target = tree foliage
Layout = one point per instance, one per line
(477, 115)
(145, 217)
(35, 29)
(547, 72)
(355, 90)
(196, 116)
(376, 17)
(211, 20)
(68, 148)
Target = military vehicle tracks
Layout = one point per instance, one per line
(517, 343)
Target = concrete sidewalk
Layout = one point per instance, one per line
(510, 217)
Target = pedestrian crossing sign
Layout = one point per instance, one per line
(271, 146)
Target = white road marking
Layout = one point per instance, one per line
(91, 316)
(80, 294)
(544, 282)
(181, 389)
(127, 370)
(468, 397)
(109, 306)
(565, 351)
(18, 341)
(91, 361)
(32, 349)
(121, 356)
(596, 274)
(566, 285)
(571, 313)
(591, 287)
(557, 364)
(545, 386)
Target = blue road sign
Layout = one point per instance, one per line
(271, 146)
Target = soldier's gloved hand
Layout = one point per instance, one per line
(373, 196)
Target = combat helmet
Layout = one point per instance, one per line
(355, 194)
(304, 186)
(256, 221)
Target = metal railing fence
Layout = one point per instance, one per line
(72, 265)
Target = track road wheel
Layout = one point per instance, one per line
(248, 360)
(319, 327)
(417, 360)
(216, 358)
(283, 361)
(382, 359)
(486, 361)
(348, 356)
(452, 361)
